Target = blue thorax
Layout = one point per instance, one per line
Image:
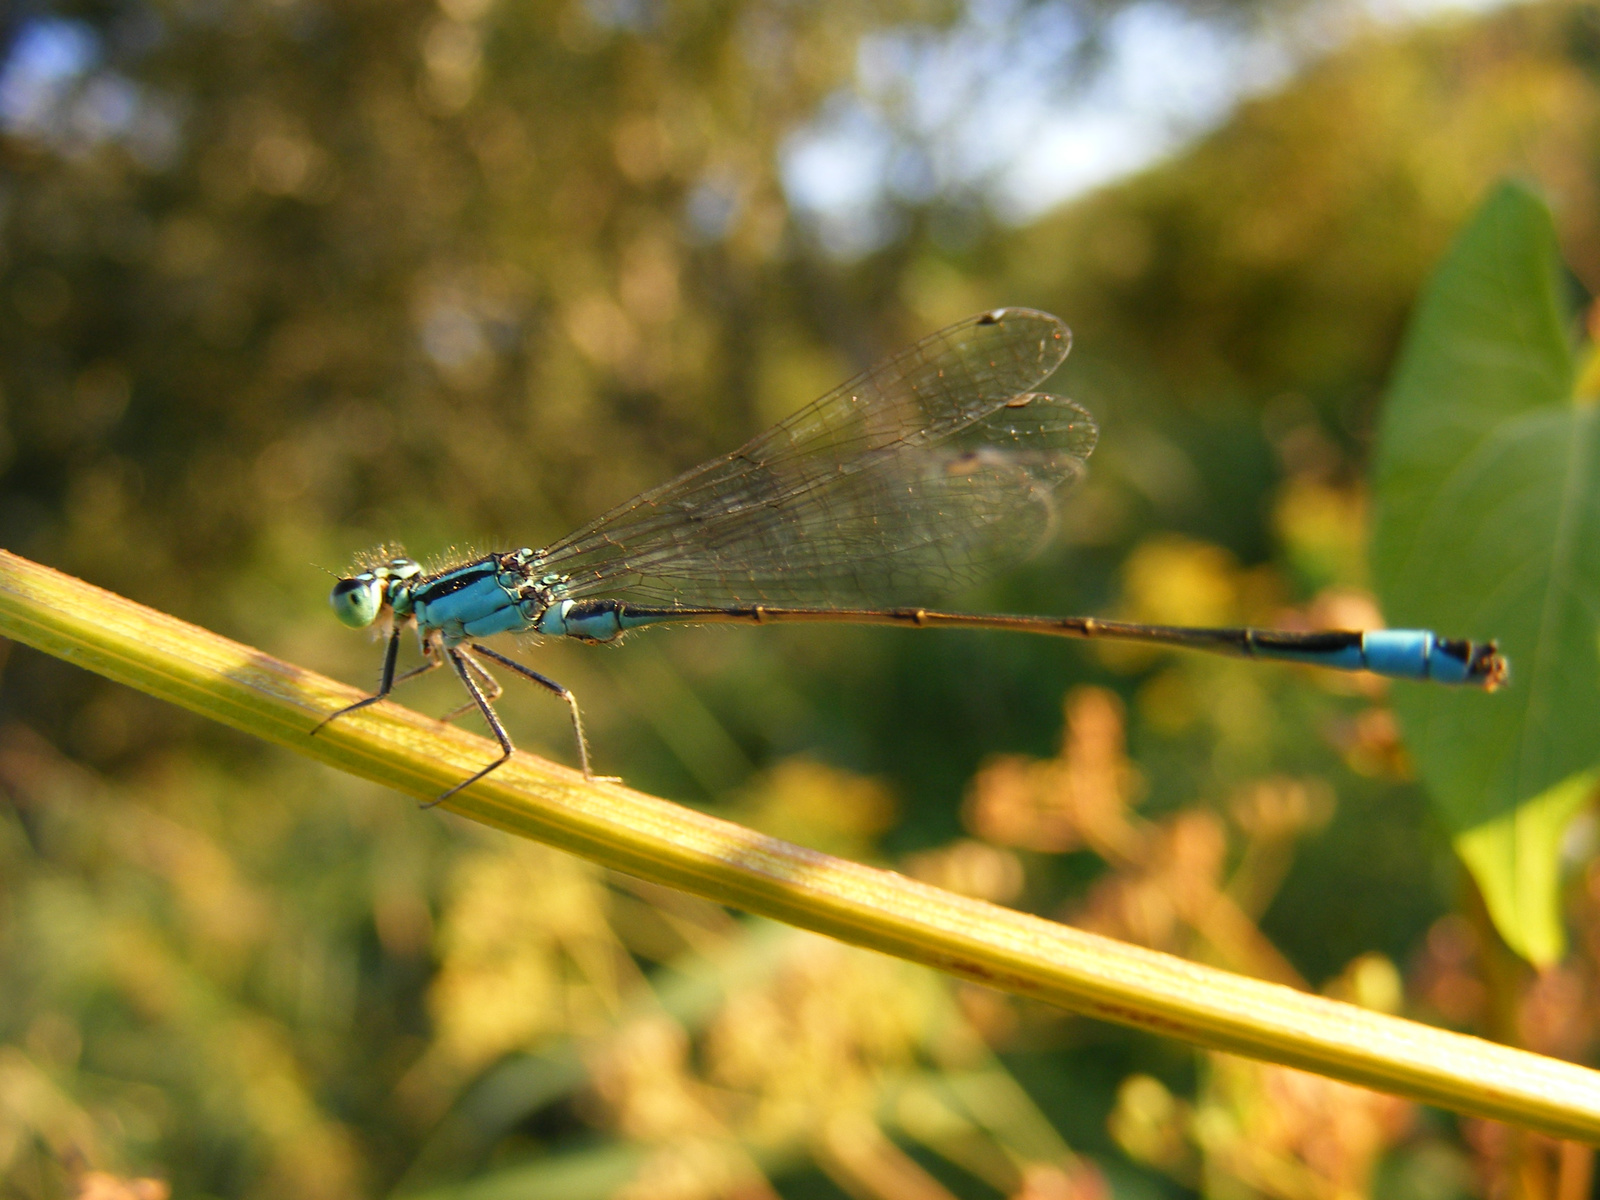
(501, 593)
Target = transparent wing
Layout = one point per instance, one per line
(932, 470)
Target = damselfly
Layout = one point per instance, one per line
(934, 469)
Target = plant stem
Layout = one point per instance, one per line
(663, 842)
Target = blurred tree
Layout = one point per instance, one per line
(280, 280)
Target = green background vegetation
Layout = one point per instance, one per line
(471, 273)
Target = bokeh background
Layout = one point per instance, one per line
(281, 280)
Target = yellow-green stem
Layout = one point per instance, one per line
(660, 841)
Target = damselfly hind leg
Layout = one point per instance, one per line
(564, 694)
(469, 670)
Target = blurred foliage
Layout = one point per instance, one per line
(282, 280)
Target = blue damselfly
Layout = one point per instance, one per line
(934, 469)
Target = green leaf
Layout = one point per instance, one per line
(1488, 525)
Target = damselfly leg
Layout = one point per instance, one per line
(565, 694)
(469, 671)
(464, 668)
(386, 684)
(484, 689)
(491, 687)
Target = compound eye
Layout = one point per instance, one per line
(357, 602)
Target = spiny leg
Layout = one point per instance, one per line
(461, 663)
(388, 683)
(559, 690)
(491, 685)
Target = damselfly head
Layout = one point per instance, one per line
(359, 600)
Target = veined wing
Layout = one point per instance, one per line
(932, 470)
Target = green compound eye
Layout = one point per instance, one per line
(357, 602)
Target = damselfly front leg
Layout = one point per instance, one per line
(388, 682)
